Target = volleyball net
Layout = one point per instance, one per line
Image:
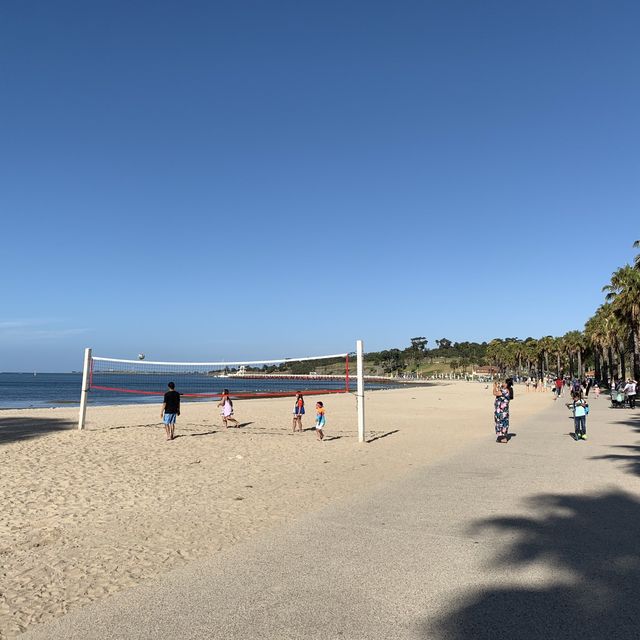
(310, 375)
(243, 379)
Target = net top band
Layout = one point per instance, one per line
(219, 364)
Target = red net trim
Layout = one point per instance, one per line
(256, 394)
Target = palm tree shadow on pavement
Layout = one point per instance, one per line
(15, 429)
(631, 459)
(590, 543)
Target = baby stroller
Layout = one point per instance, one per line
(617, 399)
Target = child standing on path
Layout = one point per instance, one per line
(227, 409)
(580, 410)
(298, 412)
(320, 420)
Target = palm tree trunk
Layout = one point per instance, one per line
(558, 362)
(636, 355)
(546, 362)
(612, 365)
(571, 365)
(622, 368)
(579, 363)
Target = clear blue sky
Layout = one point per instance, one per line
(205, 180)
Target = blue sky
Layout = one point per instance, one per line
(208, 180)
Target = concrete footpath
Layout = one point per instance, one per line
(538, 538)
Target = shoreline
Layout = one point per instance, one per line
(145, 400)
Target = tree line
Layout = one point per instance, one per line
(608, 347)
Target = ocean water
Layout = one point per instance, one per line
(24, 390)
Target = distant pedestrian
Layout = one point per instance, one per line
(226, 409)
(630, 392)
(298, 412)
(558, 387)
(589, 384)
(596, 390)
(501, 411)
(320, 420)
(170, 410)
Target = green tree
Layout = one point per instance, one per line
(419, 344)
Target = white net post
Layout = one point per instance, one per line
(85, 387)
(360, 389)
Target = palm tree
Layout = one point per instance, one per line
(519, 352)
(545, 347)
(637, 262)
(558, 349)
(494, 353)
(511, 354)
(574, 345)
(500, 354)
(595, 333)
(624, 295)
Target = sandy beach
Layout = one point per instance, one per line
(86, 514)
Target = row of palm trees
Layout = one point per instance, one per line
(613, 332)
(548, 355)
(609, 345)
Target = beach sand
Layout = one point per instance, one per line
(86, 514)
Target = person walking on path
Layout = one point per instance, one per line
(170, 410)
(320, 420)
(559, 383)
(580, 408)
(630, 391)
(501, 411)
(298, 412)
(226, 409)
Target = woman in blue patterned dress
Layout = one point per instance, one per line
(501, 411)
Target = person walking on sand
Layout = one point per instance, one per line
(320, 420)
(298, 412)
(226, 409)
(501, 411)
(170, 410)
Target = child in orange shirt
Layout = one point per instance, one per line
(298, 412)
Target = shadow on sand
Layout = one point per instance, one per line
(14, 429)
(589, 544)
(379, 436)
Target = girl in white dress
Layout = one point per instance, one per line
(226, 410)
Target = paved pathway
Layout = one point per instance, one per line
(536, 539)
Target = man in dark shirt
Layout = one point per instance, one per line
(170, 410)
